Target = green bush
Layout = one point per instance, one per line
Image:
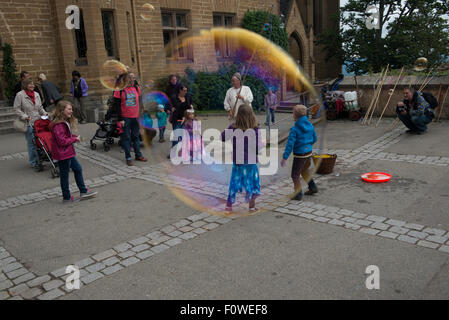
(208, 89)
(9, 75)
(254, 21)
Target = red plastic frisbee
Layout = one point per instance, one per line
(376, 177)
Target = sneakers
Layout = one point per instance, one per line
(130, 162)
(141, 159)
(298, 197)
(89, 194)
(71, 200)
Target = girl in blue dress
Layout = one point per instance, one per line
(246, 143)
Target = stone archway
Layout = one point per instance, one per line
(295, 49)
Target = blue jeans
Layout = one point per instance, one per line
(131, 132)
(64, 170)
(32, 149)
(270, 112)
(415, 123)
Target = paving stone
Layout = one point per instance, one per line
(396, 223)
(139, 241)
(212, 218)
(336, 222)
(428, 244)
(348, 219)
(11, 267)
(333, 216)
(52, 285)
(194, 218)
(359, 215)
(408, 239)
(38, 281)
(399, 230)
(352, 226)
(145, 254)
(321, 213)
(4, 255)
(16, 273)
(187, 235)
(159, 240)
(51, 295)
(224, 220)
(58, 273)
(104, 255)
(168, 229)
(321, 219)
(417, 234)
(173, 242)
(307, 216)
(4, 295)
(414, 226)
(95, 267)
(142, 247)
(112, 269)
(388, 234)
(183, 222)
(199, 231)
(130, 261)
(18, 289)
(198, 224)
(437, 239)
(343, 212)
(307, 210)
(24, 278)
(444, 249)
(380, 226)
(160, 248)
(126, 254)
(84, 263)
(363, 223)
(186, 229)
(370, 231)
(175, 233)
(209, 226)
(376, 218)
(154, 235)
(91, 277)
(111, 261)
(435, 232)
(31, 293)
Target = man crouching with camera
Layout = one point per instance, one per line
(414, 111)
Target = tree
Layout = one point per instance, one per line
(9, 71)
(408, 30)
(273, 30)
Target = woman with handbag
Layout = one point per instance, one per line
(28, 107)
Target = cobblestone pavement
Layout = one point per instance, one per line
(17, 282)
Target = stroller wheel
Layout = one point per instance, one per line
(93, 146)
(110, 141)
(106, 147)
(55, 173)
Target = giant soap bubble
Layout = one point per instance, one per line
(256, 59)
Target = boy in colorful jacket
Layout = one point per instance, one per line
(300, 140)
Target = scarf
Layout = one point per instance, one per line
(31, 95)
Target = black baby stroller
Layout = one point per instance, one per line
(108, 129)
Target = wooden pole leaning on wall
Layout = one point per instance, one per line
(378, 95)
(440, 92)
(425, 82)
(442, 105)
(365, 119)
(389, 99)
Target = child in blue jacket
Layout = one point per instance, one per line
(161, 116)
(300, 140)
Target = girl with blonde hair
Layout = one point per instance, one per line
(246, 144)
(62, 150)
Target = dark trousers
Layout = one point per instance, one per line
(161, 133)
(415, 123)
(301, 168)
(131, 133)
(64, 170)
(176, 125)
(270, 112)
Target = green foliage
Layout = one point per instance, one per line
(408, 30)
(9, 75)
(208, 89)
(254, 21)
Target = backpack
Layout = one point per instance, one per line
(433, 102)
